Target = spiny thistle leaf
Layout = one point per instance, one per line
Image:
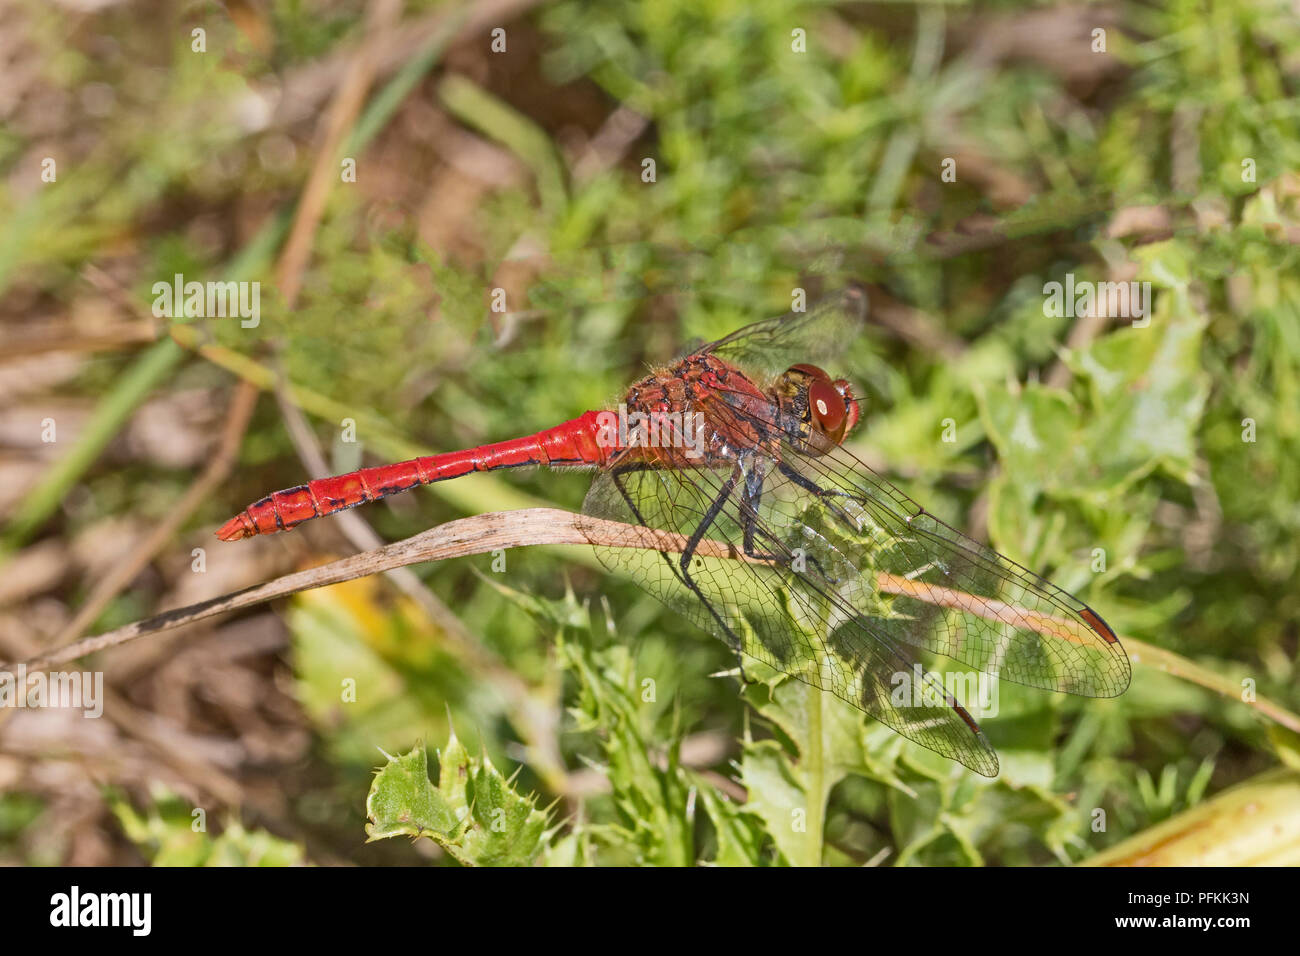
(473, 813)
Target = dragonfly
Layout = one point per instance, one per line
(779, 540)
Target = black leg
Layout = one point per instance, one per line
(750, 499)
(688, 554)
(616, 475)
(681, 569)
(820, 492)
(710, 516)
(749, 502)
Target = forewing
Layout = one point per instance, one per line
(817, 335)
(801, 617)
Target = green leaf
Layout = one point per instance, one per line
(778, 795)
(738, 832)
(473, 813)
(402, 801)
(1146, 396)
(831, 738)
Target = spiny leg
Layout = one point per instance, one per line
(681, 569)
(749, 501)
(710, 516)
(822, 493)
(616, 475)
(751, 497)
(688, 554)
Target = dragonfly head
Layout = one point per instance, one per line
(826, 405)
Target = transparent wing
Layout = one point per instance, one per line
(766, 349)
(953, 596)
(796, 602)
(941, 590)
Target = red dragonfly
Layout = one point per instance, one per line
(788, 547)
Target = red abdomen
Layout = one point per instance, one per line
(573, 443)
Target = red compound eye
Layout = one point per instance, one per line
(827, 407)
(832, 409)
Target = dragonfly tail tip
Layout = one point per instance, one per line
(236, 528)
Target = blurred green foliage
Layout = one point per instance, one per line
(172, 833)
